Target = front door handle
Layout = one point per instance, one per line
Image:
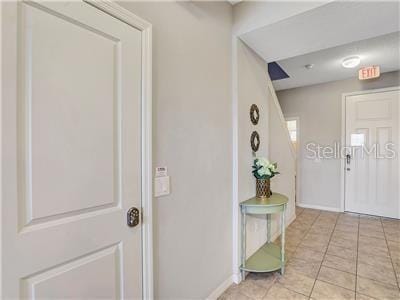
(133, 217)
(348, 159)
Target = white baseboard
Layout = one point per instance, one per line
(221, 288)
(292, 218)
(236, 278)
(319, 207)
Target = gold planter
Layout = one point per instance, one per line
(263, 188)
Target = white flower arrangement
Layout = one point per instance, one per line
(263, 169)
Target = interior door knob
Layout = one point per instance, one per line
(133, 217)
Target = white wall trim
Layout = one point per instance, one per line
(280, 114)
(145, 27)
(297, 151)
(343, 138)
(1, 147)
(319, 207)
(372, 91)
(236, 277)
(342, 160)
(221, 289)
(297, 119)
(235, 161)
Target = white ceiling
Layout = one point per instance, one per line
(333, 24)
(251, 15)
(324, 35)
(382, 51)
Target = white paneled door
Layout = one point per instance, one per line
(71, 123)
(372, 163)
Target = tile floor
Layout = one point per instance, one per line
(332, 256)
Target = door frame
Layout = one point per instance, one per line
(296, 118)
(343, 137)
(115, 10)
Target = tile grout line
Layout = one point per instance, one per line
(320, 266)
(358, 225)
(356, 275)
(302, 236)
(334, 284)
(390, 255)
(371, 279)
(267, 290)
(275, 280)
(358, 241)
(340, 256)
(329, 267)
(325, 253)
(308, 230)
(390, 258)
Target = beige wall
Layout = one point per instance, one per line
(192, 119)
(253, 87)
(192, 136)
(281, 150)
(319, 110)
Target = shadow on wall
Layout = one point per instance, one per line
(255, 87)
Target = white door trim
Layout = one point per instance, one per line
(343, 138)
(145, 27)
(236, 278)
(297, 151)
(1, 146)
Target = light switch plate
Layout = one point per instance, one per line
(161, 186)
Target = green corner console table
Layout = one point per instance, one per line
(270, 257)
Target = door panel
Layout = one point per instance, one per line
(92, 277)
(373, 172)
(71, 140)
(79, 167)
(373, 109)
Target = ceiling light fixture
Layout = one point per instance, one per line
(309, 66)
(351, 62)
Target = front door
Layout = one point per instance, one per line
(70, 152)
(372, 163)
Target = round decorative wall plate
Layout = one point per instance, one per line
(255, 141)
(254, 114)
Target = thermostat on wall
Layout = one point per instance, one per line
(161, 182)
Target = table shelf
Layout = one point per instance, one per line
(265, 259)
(270, 257)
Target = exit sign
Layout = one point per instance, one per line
(369, 72)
